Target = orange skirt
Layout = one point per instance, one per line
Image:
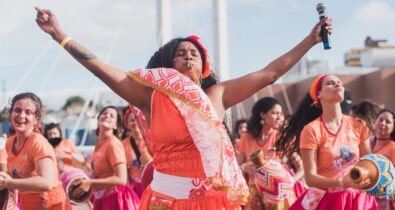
(154, 200)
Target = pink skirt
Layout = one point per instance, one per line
(124, 198)
(349, 199)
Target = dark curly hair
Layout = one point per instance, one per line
(290, 134)
(164, 58)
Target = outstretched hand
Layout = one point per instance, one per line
(47, 21)
(315, 32)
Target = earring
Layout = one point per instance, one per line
(262, 122)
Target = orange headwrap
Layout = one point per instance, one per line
(206, 71)
(315, 88)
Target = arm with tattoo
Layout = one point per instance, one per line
(114, 78)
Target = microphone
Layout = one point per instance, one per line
(324, 33)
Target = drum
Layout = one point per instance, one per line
(381, 173)
(271, 178)
(69, 179)
(7, 199)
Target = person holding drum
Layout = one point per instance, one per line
(329, 143)
(109, 176)
(383, 142)
(262, 133)
(31, 160)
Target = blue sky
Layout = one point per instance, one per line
(123, 33)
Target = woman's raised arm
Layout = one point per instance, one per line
(253, 82)
(114, 78)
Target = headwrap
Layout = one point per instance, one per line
(196, 40)
(128, 111)
(315, 88)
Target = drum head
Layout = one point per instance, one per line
(71, 187)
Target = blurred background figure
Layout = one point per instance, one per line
(346, 104)
(383, 142)
(239, 129)
(135, 150)
(65, 150)
(366, 110)
(3, 153)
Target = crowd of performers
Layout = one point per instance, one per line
(177, 122)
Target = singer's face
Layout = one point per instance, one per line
(332, 90)
(187, 60)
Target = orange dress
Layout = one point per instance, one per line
(174, 153)
(21, 165)
(64, 151)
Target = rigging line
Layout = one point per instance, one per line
(15, 25)
(29, 70)
(290, 111)
(59, 53)
(95, 92)
(123, 17)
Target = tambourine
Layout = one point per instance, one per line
(381, 173)
(7, 199)
(271, 178)
(69, 179)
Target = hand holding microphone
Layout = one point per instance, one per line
(325, 35)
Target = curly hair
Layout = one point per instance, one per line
(164, 58)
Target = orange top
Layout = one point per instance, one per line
(388, 151)
(248, 144)
(64, 150)
(21, 164)
(131, 159)
(174, 151)
(3, 156)
(106, 156)
(336, 153)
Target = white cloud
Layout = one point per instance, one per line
(374, 13)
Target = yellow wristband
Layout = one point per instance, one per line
(65, 41)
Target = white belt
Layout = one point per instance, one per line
(175, 186)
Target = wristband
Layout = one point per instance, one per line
(65, 41)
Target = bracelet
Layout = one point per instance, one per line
(341, 183)
(65, 41)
